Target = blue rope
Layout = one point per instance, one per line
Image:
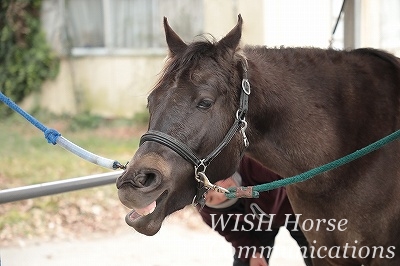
(54, 137)
(50, 134)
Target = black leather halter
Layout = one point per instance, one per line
(186, 152)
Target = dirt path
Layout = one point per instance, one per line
(175, 244)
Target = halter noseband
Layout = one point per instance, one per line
(200, 165)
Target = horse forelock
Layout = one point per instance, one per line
(187, 61)
(189, 58)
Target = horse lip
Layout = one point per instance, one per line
(148, 224)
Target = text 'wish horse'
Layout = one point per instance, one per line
(307, 107)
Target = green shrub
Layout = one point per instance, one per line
(141, 117)
(85, 121)
(26, 58)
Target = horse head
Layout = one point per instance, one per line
(194, 106)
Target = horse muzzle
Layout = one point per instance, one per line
(150, 187)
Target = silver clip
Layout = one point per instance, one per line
(210, 185)
(243, 131)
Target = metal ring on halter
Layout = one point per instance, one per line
(239, 114)
(202, 166)
(242, 120)
(246, 86)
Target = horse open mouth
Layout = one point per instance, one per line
(148, 220)
(135, 214)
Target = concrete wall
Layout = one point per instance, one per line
(304, 23)
(110, 86)
(221, 17)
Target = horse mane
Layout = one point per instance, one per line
(380, 54)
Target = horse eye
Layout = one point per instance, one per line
(205, 104)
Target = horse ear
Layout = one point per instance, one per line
(232, 39)
(175, 43)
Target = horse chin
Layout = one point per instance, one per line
(149, 223)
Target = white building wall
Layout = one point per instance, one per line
(117, 85)
(299, 23)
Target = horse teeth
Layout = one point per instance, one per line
(147, 210)
(151, 210)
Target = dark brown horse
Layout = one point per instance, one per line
(307, 107)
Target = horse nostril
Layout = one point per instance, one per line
(144, 180)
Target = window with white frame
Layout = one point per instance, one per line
(118, 26)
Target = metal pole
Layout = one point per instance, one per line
(51, 188)
(352, 10)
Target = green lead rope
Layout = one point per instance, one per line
(254, 191)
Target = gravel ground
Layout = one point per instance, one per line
(175, 244)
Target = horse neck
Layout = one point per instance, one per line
(297, 122)
(282, 133)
